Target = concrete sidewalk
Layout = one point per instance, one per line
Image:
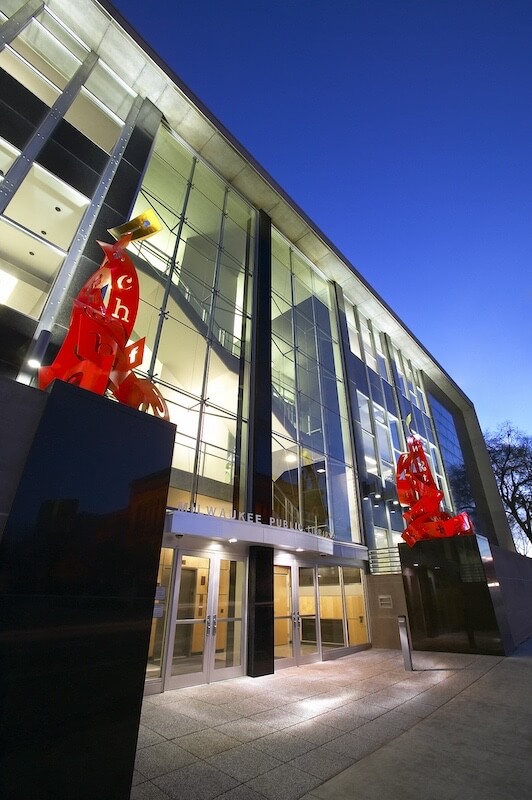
(477, 745)
(459, 726)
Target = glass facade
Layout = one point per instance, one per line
(389, 403)
(195, 275)
(453, 459)
(87, 142)
(312, 480)
(196, 282)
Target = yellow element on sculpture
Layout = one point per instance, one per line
(146, 224)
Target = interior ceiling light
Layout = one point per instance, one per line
(232, 540)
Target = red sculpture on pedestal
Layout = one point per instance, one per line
(417, 489)
(95, 353)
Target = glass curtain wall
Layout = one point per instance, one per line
(394, 392)
(413, 401)
(42, 217)
(193, 286)
(453, 458)
(312, 459)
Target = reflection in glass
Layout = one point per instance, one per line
(331, 608)
(282, 609)
(155, 647)
(237, 233)
(342, 494)
(315, 513)
(357, 631)
(310, 400)
(189, 642)
(177, 340)
(222, 383)
(203, 215)
(305, 336)
(285, 473)
(308, 638)
(310, 421)
(229, 614)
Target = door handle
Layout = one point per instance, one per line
(208, 626)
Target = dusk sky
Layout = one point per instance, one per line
(403, 128)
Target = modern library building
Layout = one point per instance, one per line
(291, 384)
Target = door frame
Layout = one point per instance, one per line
(297, 658)
(208, 674)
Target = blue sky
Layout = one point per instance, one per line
(403, 128)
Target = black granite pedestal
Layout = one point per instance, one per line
(453, 596)
(78, 568)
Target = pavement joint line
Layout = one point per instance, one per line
(476, 668)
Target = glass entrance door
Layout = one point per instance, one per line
(295, 620)
(206, 640)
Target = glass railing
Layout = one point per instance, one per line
(283, 508)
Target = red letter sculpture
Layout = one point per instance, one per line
(417, 489)
(95, 353)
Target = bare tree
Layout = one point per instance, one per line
(510, 452)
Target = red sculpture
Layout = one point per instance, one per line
(417, 489)
(95, 353)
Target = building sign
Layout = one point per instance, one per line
(250, 517)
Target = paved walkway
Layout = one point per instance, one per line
(358, 728)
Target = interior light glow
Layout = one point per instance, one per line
(300, 550)
(34, 363)
(232, 541)
(7, 284)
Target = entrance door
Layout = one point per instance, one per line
(206, 641)
(296, 633)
